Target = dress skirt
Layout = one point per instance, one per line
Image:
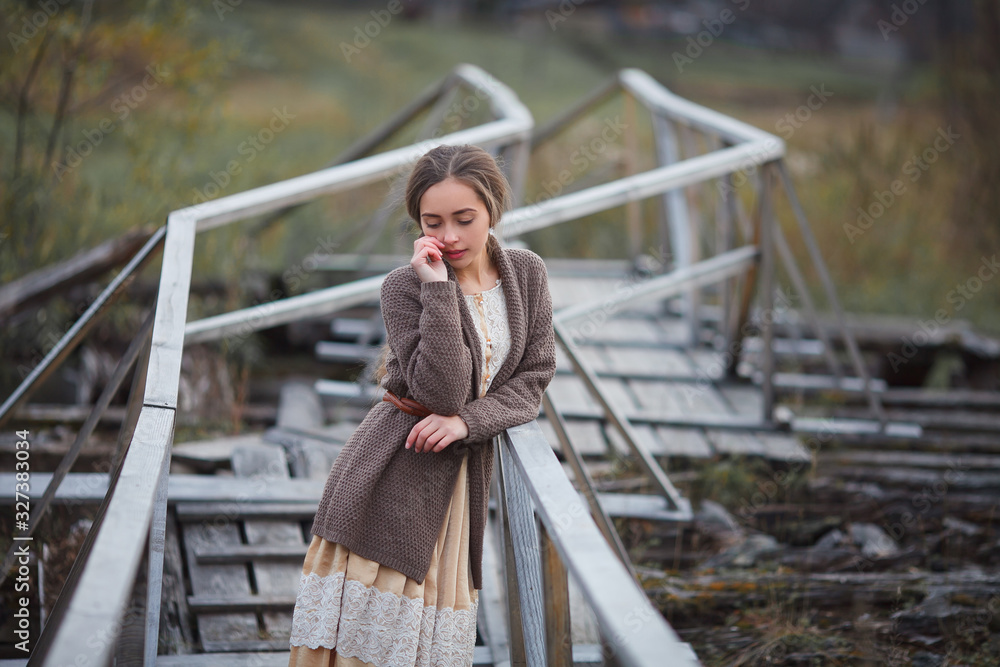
(351, 611)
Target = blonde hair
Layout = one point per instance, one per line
(467, 164)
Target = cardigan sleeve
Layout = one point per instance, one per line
(518, 399)
(424, 330)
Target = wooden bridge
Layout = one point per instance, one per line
(659, 360)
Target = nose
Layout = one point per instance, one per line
(450, 237)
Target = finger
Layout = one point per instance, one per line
(420, 444)
(430, 242)
(431, 435)
(411, 439)
(431, 254)
(423, 245)
(443, 443)
(434, 442)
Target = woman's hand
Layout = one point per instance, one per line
(435, 432)
(427, 259)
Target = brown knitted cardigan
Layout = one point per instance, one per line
(387, 503)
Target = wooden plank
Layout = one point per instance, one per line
(107, 576)
(233, 604)
(917, 478)
(219, 488)
(595, 356)
(558, 632)
(684, 442)
(524, 541)
(640, 634)
(744, 399)
(783, 447)
(492, 612)
(354, 327)
(317, 460)
(155, 548)
(195, 511)
(213, 452)
(619, 394)
(345, 389)
(584, 628)
(638, 506)
(636, 362)
(176, 623)
(611, 412)
(753, 346)
(931, 460)
(586, 435)
(942, 398)
(707, 364)
(570, 290)
(264, 463)
(585, 483)
(856, 427)
(244, 553)
(685, 276)
(936, 418)
(678, 398)
(630, 330)
(65, 414)
(167, 348)
(563, 364)
(299, 407)
(92, 487)
(644, 433)
(569, 393)
(218, 581)
(673, 332)
(735, 443)
(809, 382)
(82, 268)
(326, 350)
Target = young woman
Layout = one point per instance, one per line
(395, 565)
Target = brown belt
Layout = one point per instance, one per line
(407, 405)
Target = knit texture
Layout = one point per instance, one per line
(385, 502)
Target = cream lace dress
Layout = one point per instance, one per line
(351, 611)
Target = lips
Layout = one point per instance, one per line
(455, 254)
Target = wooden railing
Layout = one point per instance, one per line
(86, 621)
(567, 541)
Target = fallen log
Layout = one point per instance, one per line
(82, 267)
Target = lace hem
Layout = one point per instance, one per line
(379, 627)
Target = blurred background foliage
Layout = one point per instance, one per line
(225, 69)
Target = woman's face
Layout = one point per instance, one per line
(452, 212)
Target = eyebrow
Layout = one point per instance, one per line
(459, 212)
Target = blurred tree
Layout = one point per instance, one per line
(72, 77)
(969, 70)
(101, 104)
